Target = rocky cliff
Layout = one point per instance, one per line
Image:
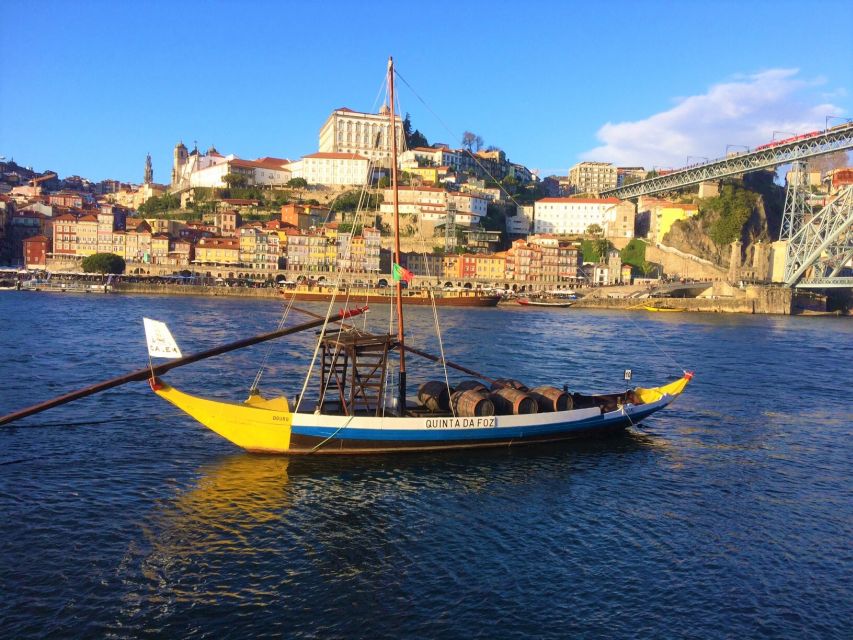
(749, 210)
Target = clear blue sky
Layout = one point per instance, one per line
(89, 88)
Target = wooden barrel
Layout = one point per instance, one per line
(551, 398)
(434, 395)
(512, 401)
(502, 383)
(471, 404)
(470, 385)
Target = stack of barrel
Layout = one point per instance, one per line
(471, 398)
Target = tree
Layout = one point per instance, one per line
(300, 184)
(297, 183)
(594, 230)
(235, 181)
(472, 141)
(414, 138)
(733, 207)
(160, 204)
(634, 253)
(103, 263)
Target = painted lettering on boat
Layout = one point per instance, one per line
(457, 423)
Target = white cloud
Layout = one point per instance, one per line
(745, 111)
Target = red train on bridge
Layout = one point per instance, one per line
(776, 143)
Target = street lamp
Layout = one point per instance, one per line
(787, 133)
(825, 122)
(740, 146)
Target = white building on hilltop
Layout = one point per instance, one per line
(573, 216)
(196, 169)
(364, 134)
(332, 169)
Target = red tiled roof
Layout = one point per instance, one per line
(251, 164)
(272, 163)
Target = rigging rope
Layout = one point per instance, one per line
(269, 349)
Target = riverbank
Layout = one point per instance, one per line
(757, 300)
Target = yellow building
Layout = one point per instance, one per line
(452, 266)
(87, 236)
(490, 266)
(665, 217)
(159, 247)
(428, 175)
(136, 197)
(217, 251)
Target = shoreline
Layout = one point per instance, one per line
(768, 301)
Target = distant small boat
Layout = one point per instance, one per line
(666, 309)
(554, 298)
(545, 302)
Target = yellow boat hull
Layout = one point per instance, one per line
(257, 425)
(664, 309)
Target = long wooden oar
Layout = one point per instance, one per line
(144, 374)
(427, 355)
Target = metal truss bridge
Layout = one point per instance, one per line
(838, 138)
(819, 245)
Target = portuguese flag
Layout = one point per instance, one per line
(401, 273)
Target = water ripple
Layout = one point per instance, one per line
(729, 515)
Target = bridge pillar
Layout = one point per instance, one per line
(735, 261)
(709, 189)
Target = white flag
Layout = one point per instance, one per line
(161, 344)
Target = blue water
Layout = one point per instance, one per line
(729, 515)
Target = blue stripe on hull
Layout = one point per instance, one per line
(463, 435)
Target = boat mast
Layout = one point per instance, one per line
(401, 398)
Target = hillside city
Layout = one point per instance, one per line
(467, 213)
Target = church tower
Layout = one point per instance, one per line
(179, 161)
(149, 171)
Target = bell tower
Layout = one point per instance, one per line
(179, 160)
(149, 171)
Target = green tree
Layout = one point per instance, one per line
(103, 263)
(733, 206)
(160, 204)
(634, 253)
(297, 183)
(595, 250)
(235, 181)
(594, 230)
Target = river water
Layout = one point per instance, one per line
(727, 515)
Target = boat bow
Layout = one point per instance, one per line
(258, 424)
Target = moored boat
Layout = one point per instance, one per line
(663, 309)
(420, 297)
(359, 400)
(361, 407)
(544, 302)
